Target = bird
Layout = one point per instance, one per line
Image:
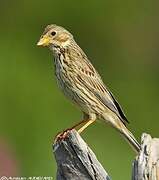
(81, 83)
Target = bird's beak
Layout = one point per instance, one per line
(44, 41)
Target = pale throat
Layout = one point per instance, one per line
(56, 48)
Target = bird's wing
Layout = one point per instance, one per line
(92, 81)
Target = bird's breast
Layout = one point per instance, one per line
(62, 72)
(61, 66)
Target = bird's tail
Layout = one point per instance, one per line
(115, 122)
(130, 138)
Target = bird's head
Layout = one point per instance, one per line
(55, 36)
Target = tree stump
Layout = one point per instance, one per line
(146, 164)
(76, 161)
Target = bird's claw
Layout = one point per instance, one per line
(62, 135)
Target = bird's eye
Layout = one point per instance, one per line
(53, 33)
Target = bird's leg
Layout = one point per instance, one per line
(87, 123)
(78, 124)
(63, 134)
(88, 120)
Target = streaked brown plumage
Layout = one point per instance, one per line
(82, 84)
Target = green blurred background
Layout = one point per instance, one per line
(122, 40)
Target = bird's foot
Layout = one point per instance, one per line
(62, 135)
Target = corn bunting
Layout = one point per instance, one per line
(82, 84)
